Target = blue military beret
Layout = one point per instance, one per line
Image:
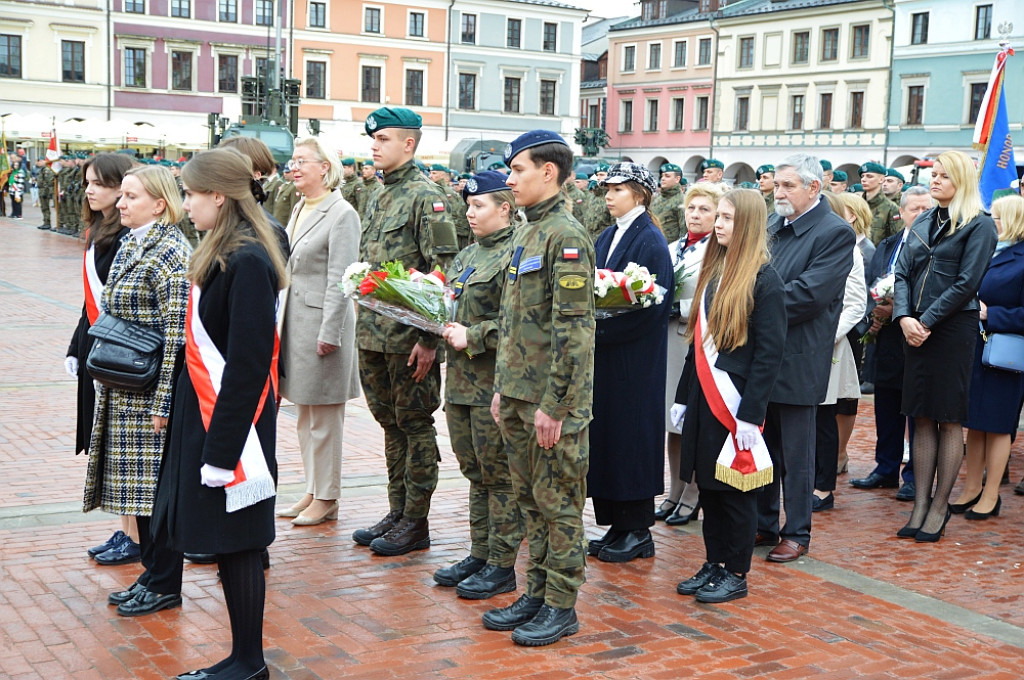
(485, 182)
(839, 176)
(871, 166)
(893, 172)
(530, 139)
(348, 161)
(672, 167)
(712, 163)
(767, 167)
(625, 172)
(388, 117)
(825, 165)
(438, 166)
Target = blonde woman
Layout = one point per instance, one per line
(318, 356)
(938, 275)
(147, 284)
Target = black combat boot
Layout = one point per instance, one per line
(366, 536)
(410, 533)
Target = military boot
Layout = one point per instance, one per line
(410, 533)
(487, 583)
(549, 626)
(516, 614)
(453, 574)
(366, 536)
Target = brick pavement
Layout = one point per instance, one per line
(861, 604)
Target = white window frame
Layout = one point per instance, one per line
(381, 63)
(362, 23)
(632, 115)
(238, 14)
(905, 85)
(327, 17)
(686, 55)
(558, 27)
(172, 46)
(221, 49)
(622, 58)
(476, 30)
(324, 58)
(522, 30)
(137, 44)
(546, 74)
(739, 52)
(696, 113)
(969, 79)
(647, 113)
(416, 64)
(426, 33)
(469, 68)
(711, 63)
(76, 34)
(524, 78)
(661, 55)
(672, 114)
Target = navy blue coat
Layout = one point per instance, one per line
(995, 395)
(627, 435)
(889, 356)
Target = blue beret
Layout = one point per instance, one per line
(625, 172)
(825, 165)
(871, 166)
(893, 172)
(672, 167)
(485, 182)
(767, 167)
(839, 176)
(530, 139)
(388, 117)
(348, 161)
(438, 166)
(712, 163)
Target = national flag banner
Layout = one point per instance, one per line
(570, 253)
(52, 151)
(997, 169)
(5, 162)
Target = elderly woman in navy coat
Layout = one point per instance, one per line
(995, 395)
(626, 436)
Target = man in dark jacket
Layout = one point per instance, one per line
(812, 250)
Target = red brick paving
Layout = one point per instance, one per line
(334, 610)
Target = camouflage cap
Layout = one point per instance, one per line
(626, 172)
(871, 166)
(530, 139)
(764, 169)
(389, 117)
(485, 182)
(839, 176)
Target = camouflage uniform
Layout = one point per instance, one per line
(286, 199)
(45, 183)
(365, 191)
(270, 189)
(407, 220)
(883, 217)
(596, 215)
(64, 199)
(769, 202)
(545, 362)
(578, 199)
(185, 223)
(75, 195)
(667, 206)
(348, 190)
(496, 527)
(457, 207)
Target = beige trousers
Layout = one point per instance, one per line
(320, 429)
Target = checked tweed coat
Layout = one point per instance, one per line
(147, 284)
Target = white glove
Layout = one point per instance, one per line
(215, 476)
(676, 414)
(746, 435)
(71, 366)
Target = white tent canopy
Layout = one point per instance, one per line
(36, 127)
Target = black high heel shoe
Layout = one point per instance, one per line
(971, 514)
(961, 508)
(925, 537)
(683, 514)
(908, 532)
(667, 507)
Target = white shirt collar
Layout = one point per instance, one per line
(139, 233)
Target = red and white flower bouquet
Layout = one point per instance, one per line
(405, 295)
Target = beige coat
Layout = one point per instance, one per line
(315, 309)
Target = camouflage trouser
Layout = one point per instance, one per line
(44, 205)
(496, 527)
(403, 409)
(551, 487)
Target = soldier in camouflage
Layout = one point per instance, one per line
(348, 190)
(439, 176)
(577, 197)
(667, 205)
(884, 213)
(407, 220)
(543, 381)
(286, 199)
(477, 277)
(765, 175)
(44, 180)
(840, 182)
(366, 188)
(270, 187)
(68, 215)
(596, 217)
(892, 185)
(184, 225)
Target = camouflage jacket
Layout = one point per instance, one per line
(287, 197)
(458, 209)
(579, 201)
(769, 202)
(365, 190)
(348, 190)
(546, 323)
(270, 189)
(596, 217)
(477, 276)
(883, 213)
(45, 182)
(406, 219)
(667, 206)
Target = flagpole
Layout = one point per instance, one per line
(56, 186)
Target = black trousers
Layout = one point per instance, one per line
(163, 565)
(789, 434)
(730, 525)
(889, 427)
(624, 515)
(826, 447)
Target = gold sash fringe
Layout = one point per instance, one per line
(738, 480)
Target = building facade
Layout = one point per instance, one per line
(943, 55)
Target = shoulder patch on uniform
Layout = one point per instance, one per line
(438, 206)
(530, 264)
(570, 253)
(572, 282)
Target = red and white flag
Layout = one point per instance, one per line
(52, 151)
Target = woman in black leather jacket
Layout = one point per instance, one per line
(937, 278)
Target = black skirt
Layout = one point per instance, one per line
(937, 375)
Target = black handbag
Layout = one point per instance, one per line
(126, 355)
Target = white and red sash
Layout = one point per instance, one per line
(740, 469)
(253, 482)
(92, 284)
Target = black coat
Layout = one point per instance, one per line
(627, 435)
(889, 356)
(237, 309)
(753, 368)
(813, 258)
(81, 345)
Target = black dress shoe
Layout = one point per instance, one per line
(961, 508)
(367, 536)
(487, 583)
(928, 537)
(453, 574)
(628, 546)
(826, 503)
(907, 492)
(146, 602)
(666, 508)
(683, 515)
(123, 596)
(195, 675)
(201, 558)
(875, 481)
(516, 614)
(594, 546)
(691, 585)
(104, 547)
(726, 586)
(971, 514)
(548, 627)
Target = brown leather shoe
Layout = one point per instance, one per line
(410, 533)
(786, 551)
(762, 539)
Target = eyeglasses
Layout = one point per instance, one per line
(296, 163)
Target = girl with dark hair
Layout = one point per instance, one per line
(218, 483)
(737, 329)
